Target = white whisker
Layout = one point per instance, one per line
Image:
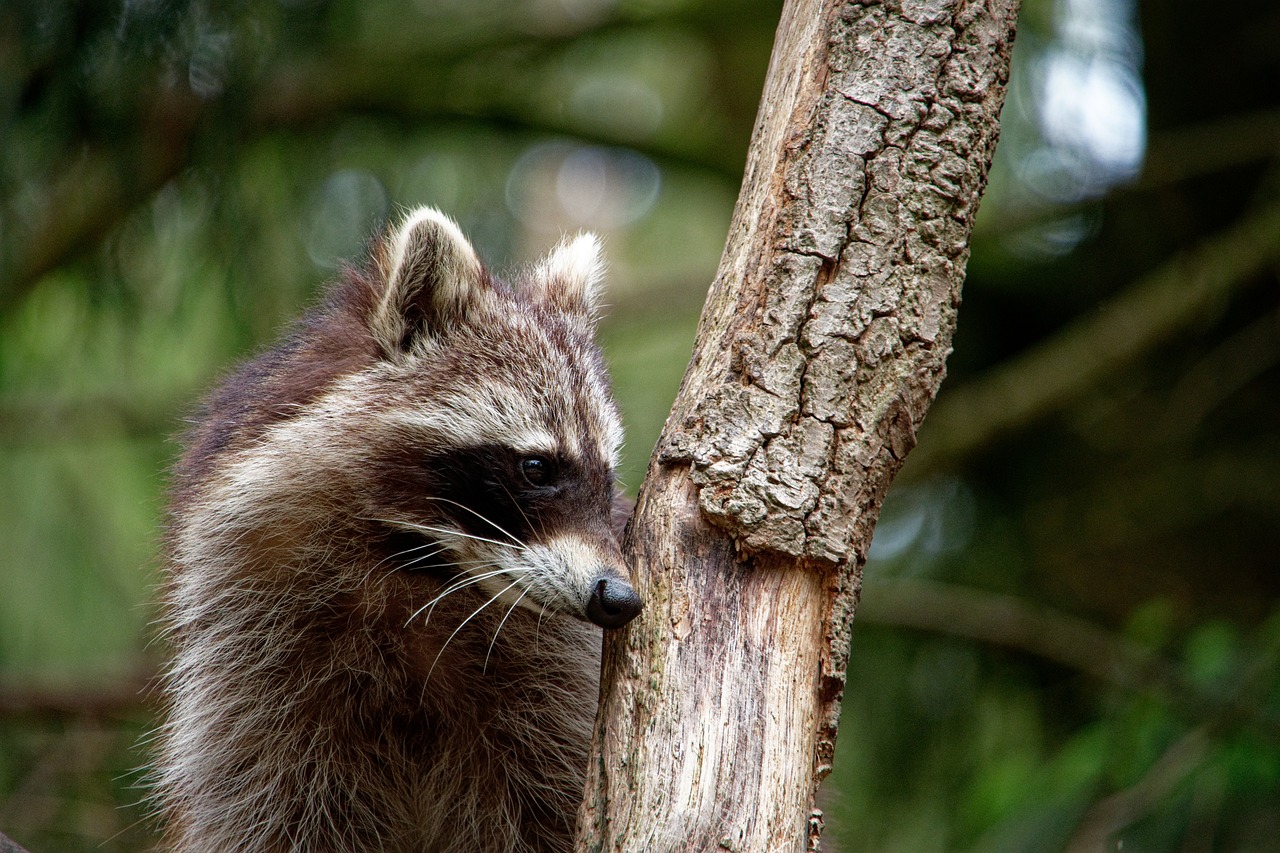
(498, 630)
(454, 586)
(520, 509)
(445, 531)
(421, 558)
(461, 625)
(515, 539)
(440, 548)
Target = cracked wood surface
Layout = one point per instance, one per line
(821, 346)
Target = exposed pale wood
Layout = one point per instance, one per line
(821, 345)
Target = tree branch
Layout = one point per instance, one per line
(1107, 817)
(821, 345)
(93, 193)
(1061, 369)
(99, 186)
(1178, 154)
(119, 699)
(1010, 622)
(27, 420)
(1173, 156)
(1080, 645)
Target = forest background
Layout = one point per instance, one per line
(1069, 634)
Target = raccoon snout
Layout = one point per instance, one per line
(613, 602)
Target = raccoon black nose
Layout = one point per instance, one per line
(613, 603)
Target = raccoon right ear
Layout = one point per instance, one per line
(570, 276)
(430, 277)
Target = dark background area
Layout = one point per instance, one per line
(1069, 637)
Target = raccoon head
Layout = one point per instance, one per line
(498, 435)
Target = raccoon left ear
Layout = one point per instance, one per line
(430, 277)
(571, 275)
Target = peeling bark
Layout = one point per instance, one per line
(821, 346)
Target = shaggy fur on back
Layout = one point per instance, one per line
(385, 536)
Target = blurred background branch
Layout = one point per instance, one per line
(1078, 644)
(1067, 365)
(121, 698)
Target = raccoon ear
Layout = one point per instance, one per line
(430, 277)
(571, 275)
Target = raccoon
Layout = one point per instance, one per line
(391, 550)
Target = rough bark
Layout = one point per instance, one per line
(821, 345)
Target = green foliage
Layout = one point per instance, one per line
(997, 767)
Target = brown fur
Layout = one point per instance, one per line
(314, 704)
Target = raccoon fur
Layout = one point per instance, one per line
(388, 540)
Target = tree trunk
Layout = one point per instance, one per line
(821, 345)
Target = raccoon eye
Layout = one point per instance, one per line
(537, 470)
